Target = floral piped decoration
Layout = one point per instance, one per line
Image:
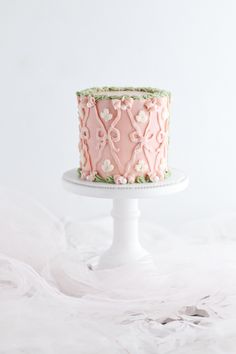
(95, 177)
(91, 176)
(91, 102)
(141, 117)
(83, 175)
(120, 180)
(107, 166)
(106, 115)
(87, 101)
(153, 104)
(131, 179)
(141, 166)
(144, 92)
(153, 178)
(123, 104)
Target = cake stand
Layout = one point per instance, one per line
(125, 246)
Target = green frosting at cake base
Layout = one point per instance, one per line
(110, 179)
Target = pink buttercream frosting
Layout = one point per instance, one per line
(123, 138)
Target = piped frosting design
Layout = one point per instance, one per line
(123, 138)
(100, 93)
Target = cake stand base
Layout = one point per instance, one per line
(76, 276)
(125, 246)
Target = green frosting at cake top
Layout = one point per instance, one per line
(138, 93)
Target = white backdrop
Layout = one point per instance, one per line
(50, 49)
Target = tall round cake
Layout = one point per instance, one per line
(123, 134)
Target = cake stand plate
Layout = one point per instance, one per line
(177, 182)
(125, 246)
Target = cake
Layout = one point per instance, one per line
(123, 134)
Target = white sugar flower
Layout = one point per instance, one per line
(91, 176)
(106, 115)
(107, 166)
(131, 179)
(120, 180)
(153, 177)
(141, 166)
(141, 117)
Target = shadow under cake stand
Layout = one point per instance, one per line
(125, 246)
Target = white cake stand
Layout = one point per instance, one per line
(125, 247)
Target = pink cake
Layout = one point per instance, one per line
(123, 134)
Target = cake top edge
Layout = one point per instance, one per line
(108, 92)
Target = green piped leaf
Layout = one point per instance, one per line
(99, 179)
(147, 179)
(140, 179)
(79, 172)
(110, 179)
(167, 173)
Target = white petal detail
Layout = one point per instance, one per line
(107, 166)
(106, 115)
(142, 117)
(141, 166)
(154, 179)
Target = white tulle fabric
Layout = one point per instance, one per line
(51, 301)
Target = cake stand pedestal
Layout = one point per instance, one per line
(125, 247)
